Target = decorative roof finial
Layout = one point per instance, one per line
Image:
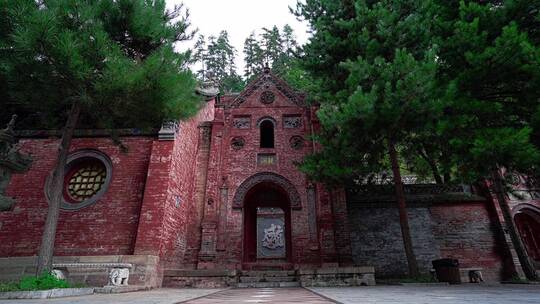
(266, 68)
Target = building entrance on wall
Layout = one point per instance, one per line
(528, 224)
(267, 227)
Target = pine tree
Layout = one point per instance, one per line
(289, 41)
(253, 57)
(490, 83)
(451, 85)
(275, 49)
(200, 56)
(105, 60)
(376, 68)
(273, 45)
(217, 58)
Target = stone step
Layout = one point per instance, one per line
(121, 289)
(246, 279)
(268, 284)
(268, 273)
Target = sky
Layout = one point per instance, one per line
(240, 18)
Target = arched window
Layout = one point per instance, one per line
(267, 133)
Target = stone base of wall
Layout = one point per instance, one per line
(146, 270)
(320, 277)
(331, 277)
(198, 278)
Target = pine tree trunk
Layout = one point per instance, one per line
(55, 190)
(526, 264)
(403, 217)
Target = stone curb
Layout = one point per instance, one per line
(438, 284)
(46, 294)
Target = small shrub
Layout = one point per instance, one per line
(517, 280)
(9, 286)
(42, 282)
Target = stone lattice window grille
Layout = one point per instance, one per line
(266, 159)
(292, 122)
(87, 178)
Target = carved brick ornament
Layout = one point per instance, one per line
(265, 81)
(285, 184)
(267, 97)
(296, 142)
(237, 143)
(242, 122)
(292, 122)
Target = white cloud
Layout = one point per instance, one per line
(240, 18)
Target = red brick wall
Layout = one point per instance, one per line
(182, 184)
(468, 232)
(171, 175)
(105, 228)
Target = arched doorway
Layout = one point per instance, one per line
(527, 221)
(267, 225)
(267, 199)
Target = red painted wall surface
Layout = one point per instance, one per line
(107, 227)
(468, 232)
(168, 205)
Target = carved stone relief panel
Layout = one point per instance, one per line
(267, 97)
(270, 233)
(292, 122)
(242, 122)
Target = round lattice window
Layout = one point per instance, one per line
(88, 174)
(296, 142)
(267, 97)
(85, 180)
(237, 143)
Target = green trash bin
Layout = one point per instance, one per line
(447, 270)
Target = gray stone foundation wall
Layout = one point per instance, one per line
(334, 277)
(146, 270)
(180, 278)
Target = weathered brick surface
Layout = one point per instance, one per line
(107, 227)
(179, 220)
(467, 232)
(168, 207)
(464, 231)
(376, 238)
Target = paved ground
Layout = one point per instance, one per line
(467, 294)
(158, 296)
(262, 295)
(464, 294)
